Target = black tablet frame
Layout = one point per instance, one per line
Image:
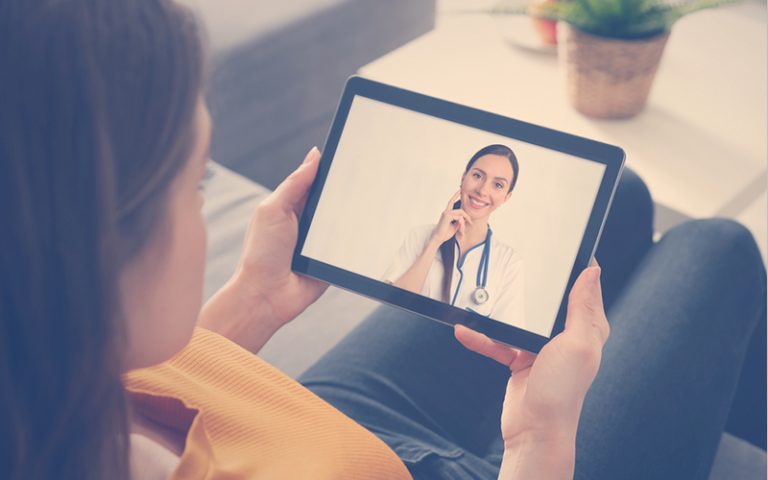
(609, 155)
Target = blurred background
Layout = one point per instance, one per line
(698, 139)
(278, 69)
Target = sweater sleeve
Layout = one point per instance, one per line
(247, 419)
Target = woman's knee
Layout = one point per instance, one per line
(632, 191)
(628, 233)
(634, 188)
(722, 241)
(631, 214)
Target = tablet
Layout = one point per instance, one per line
(454, 213)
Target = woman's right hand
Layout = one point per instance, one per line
(452, 220)
(545, 392)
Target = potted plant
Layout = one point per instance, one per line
(611, 49)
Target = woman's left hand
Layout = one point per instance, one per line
(265, 294)
(265, 267)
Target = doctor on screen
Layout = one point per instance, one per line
(486, 275)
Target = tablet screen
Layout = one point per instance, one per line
(525, 207)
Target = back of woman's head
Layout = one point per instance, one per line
(97, 99)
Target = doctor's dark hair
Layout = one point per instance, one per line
(98, 101)
(446, 248)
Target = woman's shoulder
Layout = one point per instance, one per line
(507, 254)
(421, 232)
(424, 228)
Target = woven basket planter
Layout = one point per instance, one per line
(606, 77)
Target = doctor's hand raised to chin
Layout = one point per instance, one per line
(264, 293)
(545, 392)
(452, 220)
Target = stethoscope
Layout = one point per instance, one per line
(480, 294)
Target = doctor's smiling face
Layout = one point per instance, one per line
(486, 185)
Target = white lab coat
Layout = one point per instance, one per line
(505, 284)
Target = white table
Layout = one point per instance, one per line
(700, 144)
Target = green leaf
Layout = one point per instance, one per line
(611, 18)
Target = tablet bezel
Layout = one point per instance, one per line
(609, 155)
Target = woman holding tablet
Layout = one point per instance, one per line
(487, 276)
(111, 367)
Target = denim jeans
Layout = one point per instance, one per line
(683, 313)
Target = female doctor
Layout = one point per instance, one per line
(486, 275)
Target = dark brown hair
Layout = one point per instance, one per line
(97, 102)
(446, 248)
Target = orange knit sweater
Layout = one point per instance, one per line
(245, 419)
